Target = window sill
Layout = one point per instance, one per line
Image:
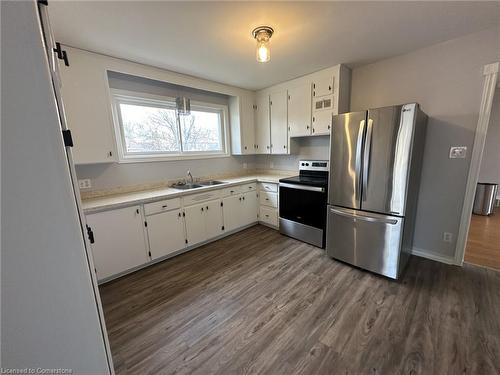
(152, 159)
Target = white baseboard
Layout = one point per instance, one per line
(433, 256)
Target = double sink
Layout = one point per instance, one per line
(188, 186)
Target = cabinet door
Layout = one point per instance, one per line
(262, 127)
(323, 85)
(213, 219)
(165, 233)
(299, 110)
(279, 123)
(195, 224)
(322, 122)
(247, 123)
(119, 240)
(88, 108)
(249, 211)
(231, 210)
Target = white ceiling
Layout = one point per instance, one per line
(213, 39)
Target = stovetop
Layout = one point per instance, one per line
(306, 180)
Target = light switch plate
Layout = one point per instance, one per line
(458, 152)
(85, 183)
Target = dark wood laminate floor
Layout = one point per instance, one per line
(261, 303)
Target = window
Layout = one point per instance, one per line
(148, 127)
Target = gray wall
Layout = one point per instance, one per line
(446, 79)
(49, 316)
(109, 176)
(490, 165)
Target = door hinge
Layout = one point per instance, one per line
(90, 234)
(186, 240)
(68, 139)
(145, 223)
(65, 58)
(149, 252)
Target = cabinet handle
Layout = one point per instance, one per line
(202, 208)
(313, 130)
(267, 215)
(240, 198)
(245, 147)
(307, 127)
(243, 198)
(329, 88)
(179, 214)
(314, 118)
(207, 208)
(164, 206)
(268, 147)
(110, 154)
(284, 146)
(328, 127)
(137, 211)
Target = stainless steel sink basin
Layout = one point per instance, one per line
(211, 183)
(186, 186)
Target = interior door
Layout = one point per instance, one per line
(165, 233)
(195, 224)
(213, 219)
(386, 159)
(279, 122)
(346, 148)
(370, 241)
(262, 126)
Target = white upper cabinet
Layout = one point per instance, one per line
(87, 106)
(119, 241)
(279, 122)
(262, 126)
(299, 110)
(242, 118)
(323, 84)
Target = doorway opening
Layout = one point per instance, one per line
(483, 240)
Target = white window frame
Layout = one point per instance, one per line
(124, 96)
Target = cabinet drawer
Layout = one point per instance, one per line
(201, 197)
(160, 206)
(268, 215)
(233, 190)
(266, 186)
(248, 187)
(269, 199)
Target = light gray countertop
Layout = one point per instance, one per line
(93, 205)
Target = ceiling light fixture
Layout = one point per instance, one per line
(262, 34)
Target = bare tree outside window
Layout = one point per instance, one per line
(155, 129)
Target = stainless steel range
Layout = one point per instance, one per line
(303, 200)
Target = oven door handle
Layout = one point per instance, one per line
(303, 187)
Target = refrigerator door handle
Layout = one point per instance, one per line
(366, 156)
(359, 145)
(364, 218)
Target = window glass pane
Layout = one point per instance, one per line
(148, 129)
(201, 131)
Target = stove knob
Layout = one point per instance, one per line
(307, 164)
(302, 164)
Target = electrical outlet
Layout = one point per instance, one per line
(458, 152)
(271, 165)
(447, 236)
(85, 183)
(245, 165)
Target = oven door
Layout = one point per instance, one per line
(303, 204)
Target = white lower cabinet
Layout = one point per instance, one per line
(249, 210)
(119, 241)
(232, 212)
(203, 221)
(165, 233)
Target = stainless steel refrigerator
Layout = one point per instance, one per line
(375, 164)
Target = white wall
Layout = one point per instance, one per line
(49, 316)
(109, 176)
(446, 79)
(490, 165)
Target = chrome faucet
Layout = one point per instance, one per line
(190, 176)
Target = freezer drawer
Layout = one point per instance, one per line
(367, 240)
